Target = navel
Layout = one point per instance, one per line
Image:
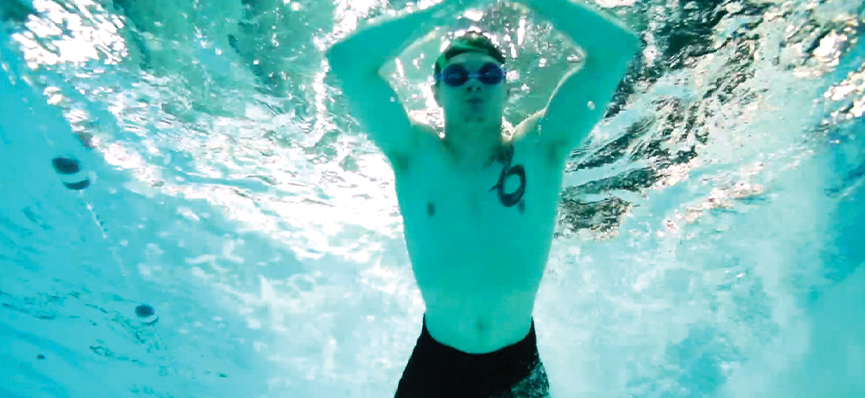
(430, 209)
(522, 206)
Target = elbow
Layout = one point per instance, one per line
(615, 57)
(631, 43)
(337, 57)
(620, 46)
(628, 43)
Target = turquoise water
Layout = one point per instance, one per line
(709, 242)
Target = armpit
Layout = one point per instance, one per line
(422, 135)
(531, 131)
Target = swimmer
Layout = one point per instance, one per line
(479, 204)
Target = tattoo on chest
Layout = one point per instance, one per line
(510, 199)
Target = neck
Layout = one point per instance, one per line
(474, 145)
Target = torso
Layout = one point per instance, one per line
(478, 262)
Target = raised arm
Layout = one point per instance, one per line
(356, 62)
(583, 94)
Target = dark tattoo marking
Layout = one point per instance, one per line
(430, 209)
(510, 199)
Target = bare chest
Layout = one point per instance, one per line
(479, 243)
(480, 223)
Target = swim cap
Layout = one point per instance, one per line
(470, 42)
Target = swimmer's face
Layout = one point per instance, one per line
(472, 88)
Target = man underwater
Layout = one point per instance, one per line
(479, 205)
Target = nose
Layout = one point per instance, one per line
(474, 85)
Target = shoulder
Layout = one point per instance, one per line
(530, 131)
(424, 137)
(423, 129)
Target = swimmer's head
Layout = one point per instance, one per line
(470, 82)
(470, 42)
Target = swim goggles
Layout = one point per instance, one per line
(457, 75)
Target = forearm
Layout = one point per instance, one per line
(367, 49)
(599, 35)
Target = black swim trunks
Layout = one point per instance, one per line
(439, 371)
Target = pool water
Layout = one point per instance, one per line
(188, 211)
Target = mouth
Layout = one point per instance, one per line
(475, 101)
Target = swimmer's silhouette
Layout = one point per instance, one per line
(477, 261)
